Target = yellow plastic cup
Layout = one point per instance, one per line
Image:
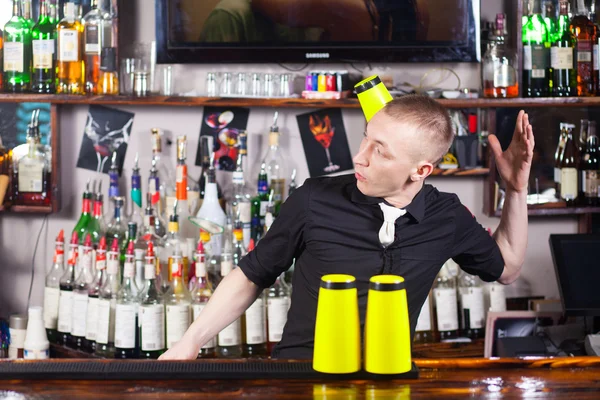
(387, 327)
(372, 95)
(337, 326)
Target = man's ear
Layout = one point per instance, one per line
(423, 170)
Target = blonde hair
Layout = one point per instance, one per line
(430, 120)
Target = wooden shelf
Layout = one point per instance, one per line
(27, 209)
(177, 101)
(549, 211)
(460, 172)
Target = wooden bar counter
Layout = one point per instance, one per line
(569, 377)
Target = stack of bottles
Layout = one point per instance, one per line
(132, 287)
(73, 55)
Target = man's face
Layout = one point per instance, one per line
(386, 158)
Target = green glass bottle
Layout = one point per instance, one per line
(86, 215)
(562, 56)
(17, 52)
(152, 311)
(536, 55)
(44, 68)
(96, 226)
(259, 205)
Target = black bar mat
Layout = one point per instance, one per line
(177, 370)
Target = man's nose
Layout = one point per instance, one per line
(361, 158)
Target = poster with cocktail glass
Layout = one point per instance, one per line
(223, 124)
(325, 142)
(107, 130)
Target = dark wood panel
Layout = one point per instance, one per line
(460, 172)
(30, 209)
(55, 143)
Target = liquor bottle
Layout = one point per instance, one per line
(201, 292)
(497, 297)
(139, 254)
(173, 242)
(92, 25)
(91, 326)
(536, 54)
(126, 313)
(278, 304)
(80, 294)
(107, 304)
(259, 205)
(584, 32)
(211, 209)
(136, 194)
(109, 73)
(187, 229)
(558, 154)
(581, 146)
(446, 310)
(113, 176)
(568, 171)
(17, 52)
(292, 186)
(207, 162)
(95, 226)
(148, 235)
(152, 311)
(52, 289)
(561, 56)
(242, 197)
(254, 328)
(26, 10)
(43, 75)
(160, 182)
(117, 227)
(270, 213)
(498, 65)
(65, 302)
(229, 340)
(275, 166)
(239, 251)
(53, 11)
(424, 332)
(70, 55)
(591, 167)
(32, 171)
(472, 310)
(177, 301)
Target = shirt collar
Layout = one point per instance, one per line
(416, 208)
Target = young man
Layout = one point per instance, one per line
(382, 220)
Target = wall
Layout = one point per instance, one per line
(18, 233)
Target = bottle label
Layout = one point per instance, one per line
(153, 327)
(65, 309)
(112, 267)
(540, 60)
(80, 303)
(568, 183)
(176, 270)
(30, 177)
(277, 186)
(584, 51)
(197, 309)
(226, 267)
(497, 298)
(200, 265)
(256, 329)
(504, 74)
(17, 338)
(237, 177)
(556, 175)
(91, 325)
(447, 310)
(424, 320)
(13, 56)
(129, 270)
(263, 208)
(43, 52)
(68, 45)
(595, 55)
(561, 57)
(149, 271)
(36, 354)
(277, 309)
(527, 58)
(471, 299)
(178, 321)
(231, 335)
(125, 325)
(51, 299)
(181, 182)
(100, 263)
(591, 183)
(105, 329)
(92, 42)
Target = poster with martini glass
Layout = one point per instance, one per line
(325, 143)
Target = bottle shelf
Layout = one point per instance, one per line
(351, 103)
(558, 208)
(27, 209)
(460, 172)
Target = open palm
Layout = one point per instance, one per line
(514, 164)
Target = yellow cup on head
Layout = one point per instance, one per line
(372, 95)
(337, 326)
(387, 327)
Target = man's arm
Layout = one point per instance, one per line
(514, 166)
(232, 297)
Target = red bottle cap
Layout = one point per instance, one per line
(149, 250)
(115, 245)
(61, 236)
(130, 248)
(74, 238)
(200, 247)
(88, 241)
(251, 245)
(102, 243)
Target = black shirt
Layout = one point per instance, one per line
(330, 227)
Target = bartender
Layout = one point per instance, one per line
(382, 220)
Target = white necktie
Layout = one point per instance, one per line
(390, 215)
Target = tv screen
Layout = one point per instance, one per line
(214, 31)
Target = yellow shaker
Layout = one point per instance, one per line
(387, 327)
(337, 326)
(372, 95)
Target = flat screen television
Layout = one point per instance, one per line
(217, 31)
